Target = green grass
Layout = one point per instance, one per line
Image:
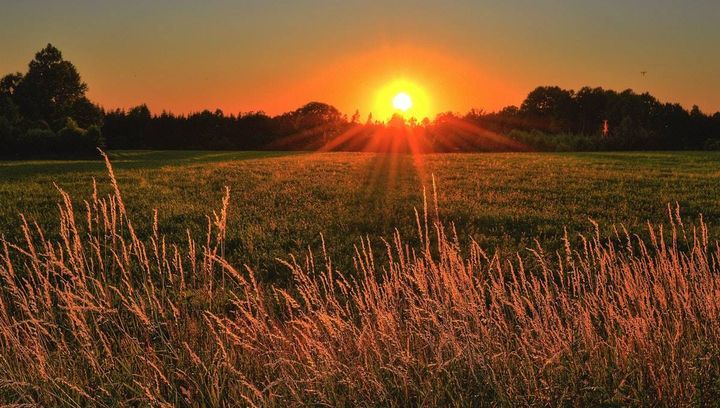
(95, 314)
(282, 202)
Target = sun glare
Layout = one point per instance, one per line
(403, 97)
(402, 101)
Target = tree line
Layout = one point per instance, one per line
(45, 112)
(601, 119)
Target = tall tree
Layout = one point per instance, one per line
(51, 88)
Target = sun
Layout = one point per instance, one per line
(402, 101)
(401, 96)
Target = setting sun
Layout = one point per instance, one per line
(402, 96)
(402, 101)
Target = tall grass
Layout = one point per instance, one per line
(105, 317)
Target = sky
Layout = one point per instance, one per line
(184, 56)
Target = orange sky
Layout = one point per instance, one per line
(184, 56)
(353, 82)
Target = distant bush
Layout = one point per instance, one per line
(95, 136)
(560, 142)
(712, 144)
(36, 142)
(72, 140)
(42, 142)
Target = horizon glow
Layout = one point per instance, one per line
(183, 56)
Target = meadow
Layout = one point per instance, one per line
(348, 279)
(281, 203)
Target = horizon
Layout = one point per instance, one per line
(274, 58)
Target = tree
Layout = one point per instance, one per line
(552, 107)
(9, 83)
(592, 110)
(86, 113)
(51, 88)
(445, 117)
(397, 121)
(317, 113)
(8, 109)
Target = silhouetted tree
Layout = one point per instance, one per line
(51, 88)
(355, 117)
(550, 108)
(46, 111)
(592, 110)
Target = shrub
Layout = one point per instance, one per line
(712, 144)
(74, 141)
(95, 137)
(36, 141)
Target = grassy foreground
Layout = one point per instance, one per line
(107, 310)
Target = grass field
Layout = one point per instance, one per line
(282, 202)
(102, 305)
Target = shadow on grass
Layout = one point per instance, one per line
(138, 159)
